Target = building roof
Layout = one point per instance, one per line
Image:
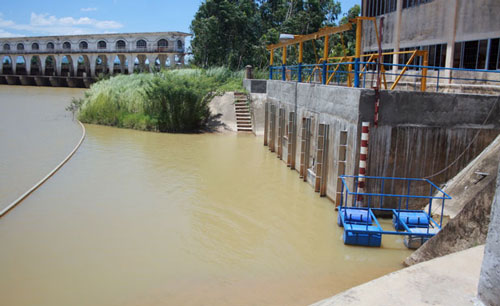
(173, 33)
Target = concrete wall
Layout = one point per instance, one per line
(418, 135)
(489, 282)
(434, 23)
(336, 106)
(421, 133)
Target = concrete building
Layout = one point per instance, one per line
(457, 33)
(87, 56)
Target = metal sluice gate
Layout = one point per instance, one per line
(358, 211)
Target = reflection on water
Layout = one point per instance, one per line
(139, 218)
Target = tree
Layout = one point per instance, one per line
(235, 33)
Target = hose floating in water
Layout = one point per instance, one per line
(27, 193)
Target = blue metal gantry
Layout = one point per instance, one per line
(356, 212)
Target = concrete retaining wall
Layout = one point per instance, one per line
(418, 135)
(489, 282)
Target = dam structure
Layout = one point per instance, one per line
(78, 60)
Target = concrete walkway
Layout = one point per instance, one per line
(447, 280)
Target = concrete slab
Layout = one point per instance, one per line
(447, 280)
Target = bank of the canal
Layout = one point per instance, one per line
(174, 219)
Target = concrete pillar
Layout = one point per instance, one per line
(489, 280)
(122, 59)
(74, 62)
(163, 60)
(92, 64)
(142, 62)
(397, 36)
(43, 63)
(58, 59)
(172, 61)
(452, 33)
(152, 61)
(131, 59)
(110, 61)
(27, 65)
(13, 59)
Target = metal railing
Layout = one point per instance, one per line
(421, 76)
(373, 200)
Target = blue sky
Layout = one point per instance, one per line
(51, 17)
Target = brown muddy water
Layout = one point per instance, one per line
(138, 218)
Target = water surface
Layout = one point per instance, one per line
(138, 218)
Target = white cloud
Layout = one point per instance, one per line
(88, 9)
(45, 24)
(7, 34)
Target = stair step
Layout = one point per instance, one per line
(248, 126)
(243, 111)
(243, 117)
(245, 130)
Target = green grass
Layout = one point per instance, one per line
(168, 101)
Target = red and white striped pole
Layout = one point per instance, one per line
(363, 153)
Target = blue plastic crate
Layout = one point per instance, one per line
(354, 216)
(412, 219)
(370, 235)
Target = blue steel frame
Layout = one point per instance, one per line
(300, 69)
(344, 199)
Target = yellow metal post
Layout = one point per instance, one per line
(301, 48)
(423, 84)
(357, 57)
(271, 60)
(284, 55)
(325, 59)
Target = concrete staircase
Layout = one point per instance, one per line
(243, 115)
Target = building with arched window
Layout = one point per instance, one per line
(85, 56)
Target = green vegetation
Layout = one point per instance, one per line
(167, 101)
(235, 33)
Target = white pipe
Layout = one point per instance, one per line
(27, 193)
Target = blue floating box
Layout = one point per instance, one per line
(412, 219)
(354, 216)
(370, 235)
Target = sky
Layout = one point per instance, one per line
(66, 17)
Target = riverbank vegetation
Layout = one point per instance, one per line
(166, 101)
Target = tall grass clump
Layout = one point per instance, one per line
(168, 101)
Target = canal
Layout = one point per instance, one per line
(140, 218)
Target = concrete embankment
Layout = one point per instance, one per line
(418, 133)
(448, 280)
(472, 190)
(36, 133)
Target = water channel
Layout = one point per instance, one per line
(139, 218)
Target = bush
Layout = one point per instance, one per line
(168, 101)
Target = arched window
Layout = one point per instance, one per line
(6, 47)
(20, 46)
(162, 43)
(66, 45)
(179, 44)
(35, 46)
(141, 43)
(50, 46)
(120, 44)
(84, 45)
(101, 44)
